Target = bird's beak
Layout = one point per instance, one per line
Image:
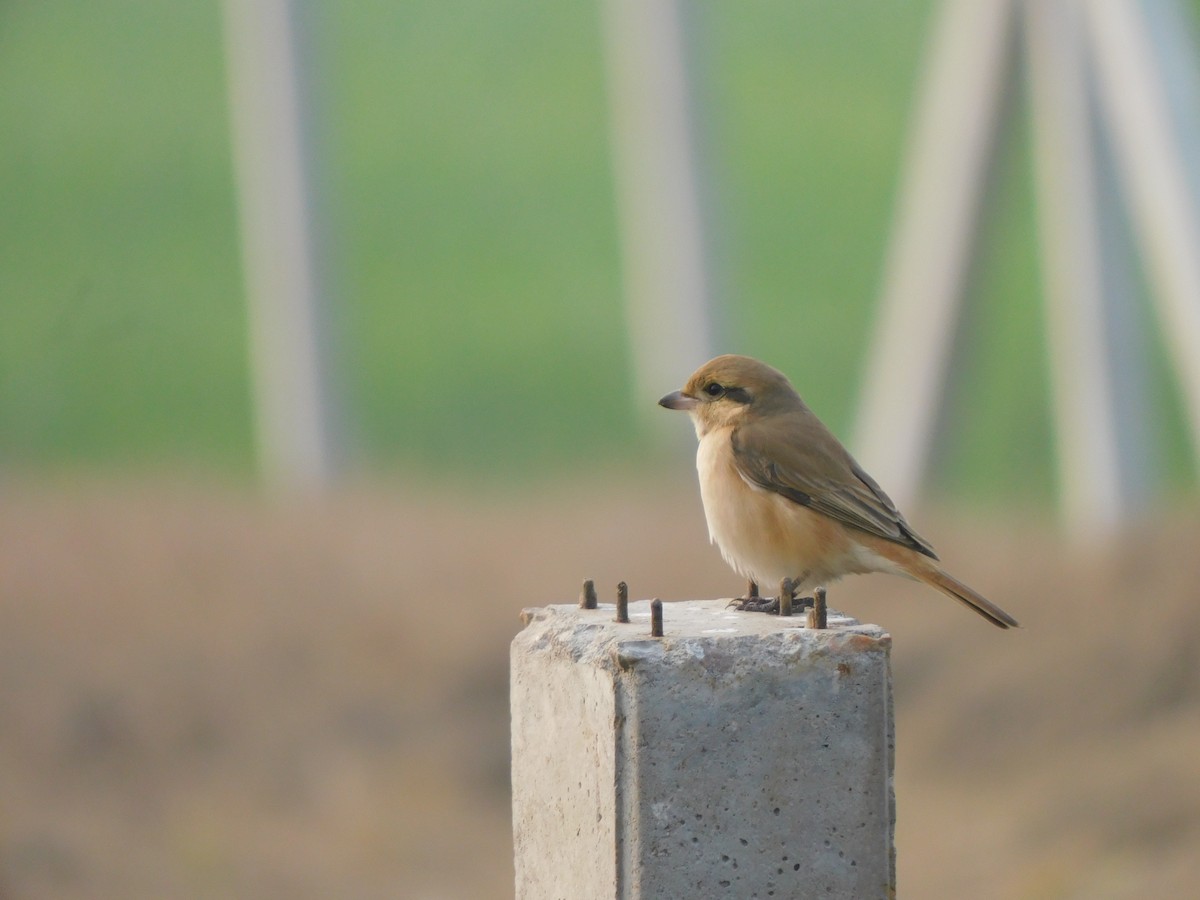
(678, 400)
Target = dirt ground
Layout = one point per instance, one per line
(208, 694)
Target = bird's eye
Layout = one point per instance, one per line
(713, 389)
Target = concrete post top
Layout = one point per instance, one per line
(703, 631)
(741, 754)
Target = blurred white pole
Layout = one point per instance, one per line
(1095, 480)
(665, 245)
(290, 342)
(1163, 199)
(942, 188)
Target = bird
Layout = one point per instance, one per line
(785, 499)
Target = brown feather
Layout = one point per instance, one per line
(929, 572)
(795, 455)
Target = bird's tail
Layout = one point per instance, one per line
(948, 584)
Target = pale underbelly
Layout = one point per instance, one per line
(766, 537)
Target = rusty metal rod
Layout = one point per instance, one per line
(818, 616)
(786, 595)
(587, 596)
(622, 602)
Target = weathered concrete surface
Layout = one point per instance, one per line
(741, 755)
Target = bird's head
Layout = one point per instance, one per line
(731, 389)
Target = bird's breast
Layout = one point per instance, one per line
(763, 535)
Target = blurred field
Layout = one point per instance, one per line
(210, 695)
(473, 237)
(205, 693)
(471, 216)
(465, 164)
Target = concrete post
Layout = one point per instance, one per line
(742, 755)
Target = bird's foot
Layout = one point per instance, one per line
(770, 605)
(755, 603)
(752, 602)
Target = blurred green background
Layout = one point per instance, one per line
(208, 690)
(466, 174)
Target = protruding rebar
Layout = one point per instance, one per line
(817, 616)
(786, 595)
(587, 596)
(622, 602)
(656, 623)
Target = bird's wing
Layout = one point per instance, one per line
(797, 457)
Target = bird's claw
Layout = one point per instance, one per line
(769, 605)
(755, 604)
